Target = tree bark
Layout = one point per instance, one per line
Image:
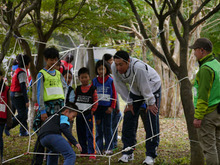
(186, 97)
(5, 45)
(40, 58)
(91, 62)
(181, 69)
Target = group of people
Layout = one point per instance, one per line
(94, 103)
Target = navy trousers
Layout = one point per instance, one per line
(85, 137)
(151, 123)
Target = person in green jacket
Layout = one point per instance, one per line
(206, 100)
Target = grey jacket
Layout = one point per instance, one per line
(142, 79)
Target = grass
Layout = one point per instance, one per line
(173, 148)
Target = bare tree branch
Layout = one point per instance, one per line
(143, 32)
(170, 11)
(17, 6)
(153, 7)
(215, 10)
(24, 13)
(132, 30)
(176, 7)
(5, 45)
(163, 7)
(173, 16)
(175, 27)
(5, 26)
(122, 31)
(198, 10)
(72, 18)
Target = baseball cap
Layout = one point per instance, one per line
(204, 43)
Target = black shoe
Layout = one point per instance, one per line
(24, 134)
(7, 133)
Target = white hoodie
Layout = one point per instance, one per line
(142, 79)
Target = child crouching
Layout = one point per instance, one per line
(50, 136)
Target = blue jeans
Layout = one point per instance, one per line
(20, 105)
(115, 119)
(151, 120)
(103, 128)
(57, 144)
(2, 126)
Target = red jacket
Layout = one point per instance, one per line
(67, 66)
(3, 107)
(15, 85)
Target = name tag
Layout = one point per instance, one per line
(104, 97)
(2, 107)
(83, 106)
(54, 91)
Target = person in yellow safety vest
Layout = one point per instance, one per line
(51, 89)
(207, 99)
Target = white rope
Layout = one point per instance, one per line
(49, 69)
(126, 149)
(151, 127)
(16, 157)
(109, 157)
(8, 68)
(91, 131)
(3, 86)
(33, 40)
(38, 153)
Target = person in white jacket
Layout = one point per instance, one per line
(137, 83)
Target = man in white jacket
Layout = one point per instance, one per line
(137, 83)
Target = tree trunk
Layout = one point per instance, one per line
(5, 45)
(33, 100)
(186, 97)
(91, 63)
(40, 58)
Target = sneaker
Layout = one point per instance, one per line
(131, 156)
(92, 157)
(7, 133)
(108, 152)
(149, 160)
(24, 134)
(125, 158)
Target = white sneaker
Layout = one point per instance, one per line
(108, 152)
(149, 161)
(125, 158)
(131, 156)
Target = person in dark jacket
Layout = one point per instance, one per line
(50, 136)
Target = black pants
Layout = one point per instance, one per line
(38, 158)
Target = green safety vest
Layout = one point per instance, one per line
(215, 91)
(53, 88)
